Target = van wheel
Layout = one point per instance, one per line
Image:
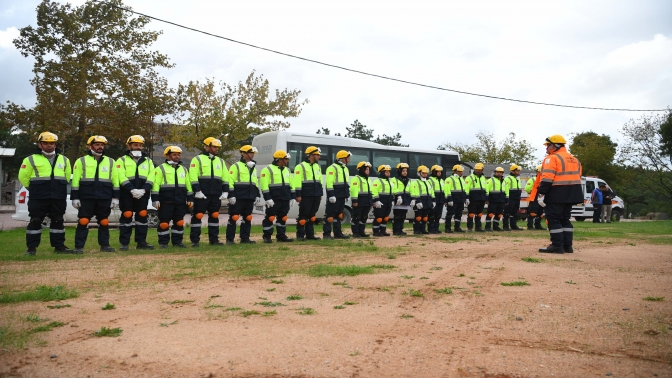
(616, 215)
(347, 216)
(580, 219)
(152, 218)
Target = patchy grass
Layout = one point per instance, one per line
(277, 282)
(47, 327)
(269, 304)
(407, 316)
(306, 311)
(323, 270)
(269, 313)
(40, 293)
(58, 306)
(532, 259)
(515, 283)
(180, 301)
(167, 324)
(108, 332)
(445, 290)
(654, 299)
(294, 297)
(339, 307)
(109, 306)
(414, 293)
(247, 313)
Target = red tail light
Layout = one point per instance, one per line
(22, 197)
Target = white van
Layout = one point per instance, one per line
(584, 211)
(71, 213)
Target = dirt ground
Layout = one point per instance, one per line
(583, 314)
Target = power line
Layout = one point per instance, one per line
(375, 75)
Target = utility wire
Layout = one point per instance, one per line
(371, 74)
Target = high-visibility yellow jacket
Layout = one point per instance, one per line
(172, 184)
(402, 187)
(209, 175)
(276, 183)
(360, 191)
(497, 191)
(135, 174)
(243, 181)
(94, 178)
(439, 193)
(308, 180)
(455, 189)
(337, 181)
(383, 189)
(530, 184)
(422, 191)
(475, 187)
(513, 187)
(43, 180)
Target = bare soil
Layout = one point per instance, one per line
(582, 315)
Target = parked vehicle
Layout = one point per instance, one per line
(585, 210)
(71, 213)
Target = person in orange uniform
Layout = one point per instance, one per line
(560, 188)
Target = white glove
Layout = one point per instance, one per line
(433, 205)
(142, 192)
(156, 204)
(540, 200)
(232, 201)
(419, 205)
(399, 201)
(224, 195)
(292, 203)
(467, 202)
(270, 203)
(412, 203)
(450, 203)
(377, 204)
(138, 193)
(332, 199)
(200, 195)
(115, 203)
(76, 204)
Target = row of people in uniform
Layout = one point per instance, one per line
(100, 183)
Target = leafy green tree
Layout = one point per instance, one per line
(359, 131)
(489, 150)
(11, 136)
(232, 113)
(596, 154)
(326, 131)
(643, 151)
(393, 140)
(666, 135)
(94, 72)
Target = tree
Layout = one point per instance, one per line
(394, 140)
(596, 154)
(232, 113)
(644, 151)
(94, 72)
(488, 150)
(666, 135)
(359, 131)
(326, 131)
(11, 136)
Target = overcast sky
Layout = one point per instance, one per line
(615, 54)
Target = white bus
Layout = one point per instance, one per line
(296, 143)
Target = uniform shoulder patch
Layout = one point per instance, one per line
(354, 183)
(23, 166)
(193, 164)
(263, 175)
(118, 165)
(297, 172)
(331, 172)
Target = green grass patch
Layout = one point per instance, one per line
(247, 313)
(277, 282)
(654, 299)
(383, 266)
(445, 290)
(47, 327)
(414, 293)
(179, 301)
(515, 283)
(58, 306)
(294, 297)
(41, 294)
(109, 306)
(323, 270)
(306, 311)
(35, 318)
(339, 307)
(349, 303)
(167, 324)
(108, 332)
(269, 313)
(269, 304)
(407, 316)
(532, 259)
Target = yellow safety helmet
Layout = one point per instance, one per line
(458, 167)
(384, 167)
(135, 139)
(248, 148)
(312, 150)
(515, 167)
(170, 149)
(96, 139)
(211, 141)
(539, 168)
(479, 166)
(47, 137)
(342, 154)
(499, 169)
(363, 164)
(436, 167)
(402, 166)
(555, 139)
(280, 154)
(423, 169)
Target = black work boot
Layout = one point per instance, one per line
(267, 239)
(568, 249)
(62, 249)
(144, 246)
(552, 249)
(32, 251)
(106, 248)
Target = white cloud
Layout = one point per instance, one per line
(7, 36)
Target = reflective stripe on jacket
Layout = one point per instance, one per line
(171, 184)
(496, 190)
(94, 178)
(561, 178)
(383, 189)
(337, 181)
(439, 190)
(475, 187)
(455, 189)
(135, 175)
(512, 185)
(402, 189)
(422, 191)
(360, 191)
(276, 183)
(43, 180)
(243, 181)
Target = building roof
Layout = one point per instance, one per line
(7, 152)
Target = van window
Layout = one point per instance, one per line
(590, 186)
(358, 154)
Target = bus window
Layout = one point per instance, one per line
(295, 151)
(358, 155)
(391, 158)
(423, 159)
